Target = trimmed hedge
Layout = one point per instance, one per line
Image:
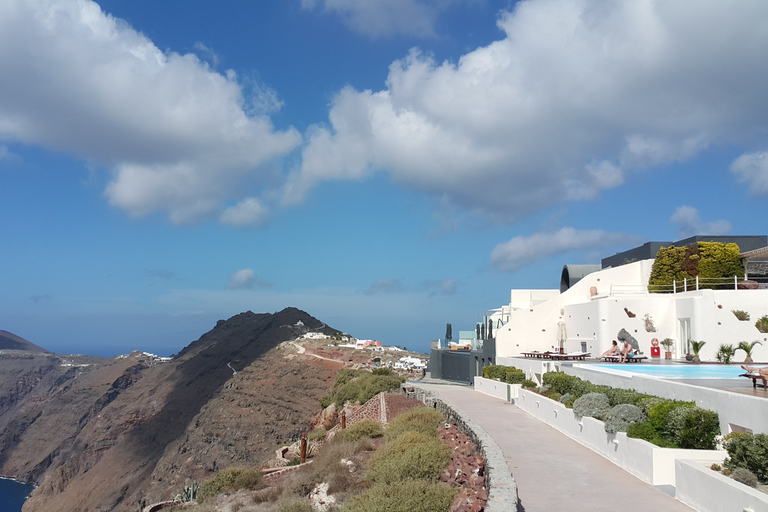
(621, 416)
(508, 374)
(593, 405)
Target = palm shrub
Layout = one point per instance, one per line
(593, 405)
(725, 353)
(696, 346)
(748, 347)
(621, 416)
(748, 451)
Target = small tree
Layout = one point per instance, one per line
(748, 347)
(696, 346)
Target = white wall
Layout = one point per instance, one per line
(649, 463)
(708, 491)
(596, 320)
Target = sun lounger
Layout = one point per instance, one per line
(754, 376)
(617, 359)
(537, 354)
(572, 356)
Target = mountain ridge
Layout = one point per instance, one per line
(110, 435)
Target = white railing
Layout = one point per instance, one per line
(686, 285)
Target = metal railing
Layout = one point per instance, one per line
(686, 285)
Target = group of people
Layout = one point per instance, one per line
(623, 352)
(760, 373)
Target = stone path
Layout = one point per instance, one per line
(552, 471)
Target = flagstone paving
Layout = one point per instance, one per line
(552, 471)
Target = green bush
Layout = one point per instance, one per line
(618, 396)
(740, 314)
(658, 413)
(748, 451)
(646, 403)
(744, 476)
(594, 405)
(229, 480)
(706, 259)
(359, 386)
(363, 429)
(424, 420)
(563, 383)
(567, 400)
(416, 496)
(644, 430)
(700, 430)
(621, 416)
(762, 324)
(494, 371)
(317, 434)
(676, 421)
(528, 384)
(411, 456)
(382, 371)
(514, 376)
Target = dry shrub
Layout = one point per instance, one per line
(413, 496)
(229, 480)
(363, 429)
(424, 420)
(412, 456)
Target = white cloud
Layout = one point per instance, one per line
(578, 94)
(752, 168)
(384, 285)
(177, 135)
(691, 224)
(247, 212)
(245, 279)
(447, 286)
(522, 250)
(377, 18)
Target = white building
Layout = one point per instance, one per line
(602, 303)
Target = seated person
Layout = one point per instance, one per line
(761, 373)
(626, 352)
(613, 351)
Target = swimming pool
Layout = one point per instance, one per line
(674, 371)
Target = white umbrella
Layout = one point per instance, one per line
(562, 335)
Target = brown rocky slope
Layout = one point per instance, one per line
(102, 435)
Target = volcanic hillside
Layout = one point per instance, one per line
(111, 434)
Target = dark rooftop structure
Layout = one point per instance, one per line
(649, 249)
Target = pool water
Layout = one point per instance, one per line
(676, 371)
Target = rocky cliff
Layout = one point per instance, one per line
(108, 434)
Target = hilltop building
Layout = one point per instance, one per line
(594, 303)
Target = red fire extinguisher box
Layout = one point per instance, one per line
(655, 352)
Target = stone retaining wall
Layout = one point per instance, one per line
(502, 490)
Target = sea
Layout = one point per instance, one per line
(13, 494)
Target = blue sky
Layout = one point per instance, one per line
(387, 166)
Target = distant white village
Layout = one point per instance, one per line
(407, 362)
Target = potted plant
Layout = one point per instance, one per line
(748, 347)
(667, 343)
(696, 346)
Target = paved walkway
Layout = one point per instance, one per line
(552, 471)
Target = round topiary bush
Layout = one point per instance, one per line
(744, 476)
(567, 400)
(593, 405)
(621, 416)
